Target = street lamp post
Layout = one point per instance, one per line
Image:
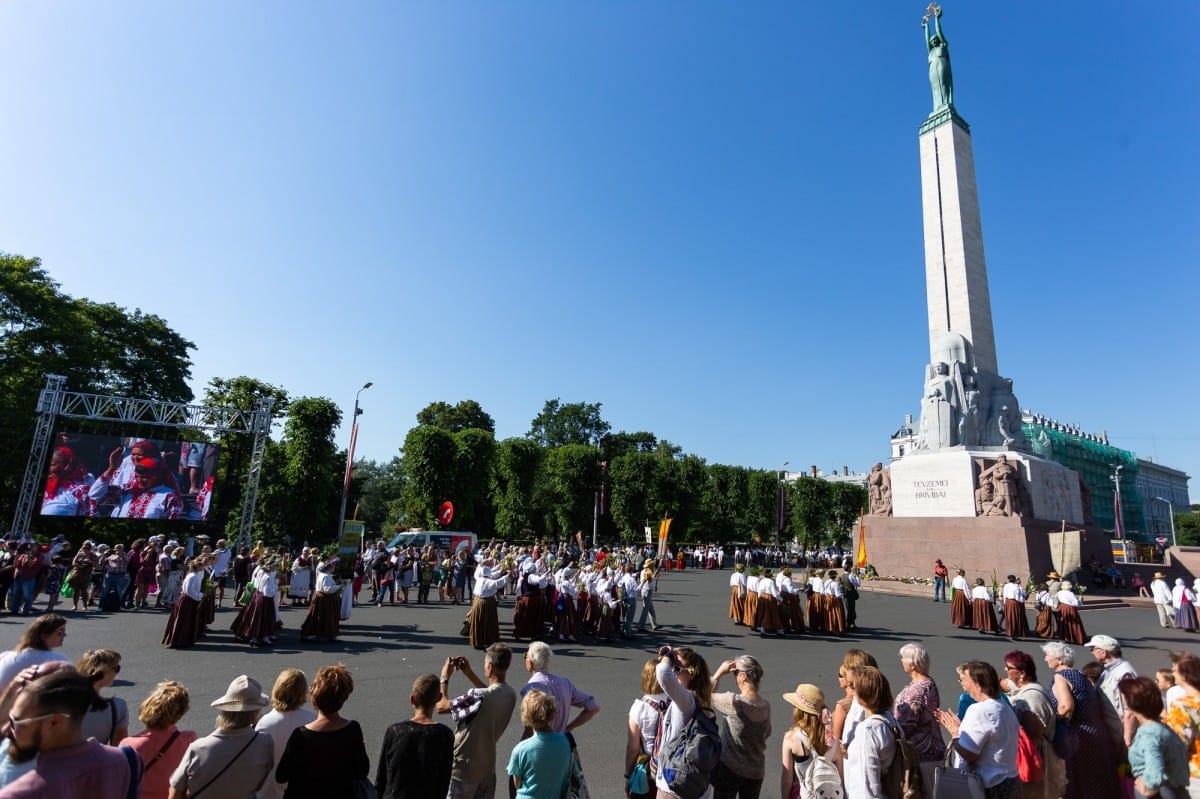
(1171, 516)
(350, 458)
(1119, 523)
(781, 504)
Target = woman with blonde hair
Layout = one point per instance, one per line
(805, 739)
(326, 757)
(540, 765)
(745, 731)
(645, 718)
(162, 744)
(288, 711)
(684, 677)
(36, 646)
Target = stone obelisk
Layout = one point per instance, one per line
(956, 281)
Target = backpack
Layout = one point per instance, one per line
(688, 759)
(110, 602)
(820, 778)
(902, 780)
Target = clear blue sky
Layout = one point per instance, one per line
(705, 216)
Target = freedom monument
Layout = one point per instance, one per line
(970, 492)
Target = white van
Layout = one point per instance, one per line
(452, 540)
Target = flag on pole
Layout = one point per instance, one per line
(860, 560)
(663, 529)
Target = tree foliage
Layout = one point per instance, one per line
(465, 415)
(514, 484)
(574, 423)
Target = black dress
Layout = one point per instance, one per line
(322, 765)
(415, 761)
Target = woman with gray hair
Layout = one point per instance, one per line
(234, 761)
(1083, 742)
(914, 708)
(744, 735)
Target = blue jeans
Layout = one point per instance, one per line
(119, 582)
(939, 589)
(388, 588)
(22, 600)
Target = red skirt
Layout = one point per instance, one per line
(1070, 626)
(960, 610)
(256, 620)
(983, 616)
(527, 616)
(566, 624)
(1015, 623)
(183, 624)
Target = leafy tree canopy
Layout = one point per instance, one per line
(465, 415)
(574, 423)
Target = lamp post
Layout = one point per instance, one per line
(1119, 525)
(781, 503)
(350, 458)
(1171, 516)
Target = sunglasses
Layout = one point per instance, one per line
(15, 722)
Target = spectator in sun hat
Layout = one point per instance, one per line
(234, 760)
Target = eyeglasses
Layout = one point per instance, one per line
(1010, 667)
(15, 722)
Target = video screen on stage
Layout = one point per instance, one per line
(122, 477)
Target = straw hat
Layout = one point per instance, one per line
(1054, 576)
(244, 693)
(1159, 576)
(807, 698)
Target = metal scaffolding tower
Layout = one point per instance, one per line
(55, 401)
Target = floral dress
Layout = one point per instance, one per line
(914, 713)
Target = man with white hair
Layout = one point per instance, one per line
(566, 695)
(1107, 652)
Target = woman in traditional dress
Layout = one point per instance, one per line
(1092, 767)
(183, 625)
(257, 622)
(1184, 602)
(324, 613)
(737, 593)
(789, 602)
(960, 605)
(983, 608)
(1070, 626)
(1044, 626)
(483, 620)
(80, 576)
(566, 621)
(301, 578)
(835, 608)
(816, 603)
(66, 491)
(770, 622)
(527, 615)
(1015, 622)
(750, 606)
(177, 570)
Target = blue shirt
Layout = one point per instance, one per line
(541, 763)
(1159, 756)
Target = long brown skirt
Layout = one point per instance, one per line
(793, 616)
(750, 608)
(816, 612)
(736, 604)
(182, 624)
(256, 620)
(527, 616)
(1070, 626)
(835, 614)
(1045, 622)
(960, 610)
(983, 616)
(1016, 625)
(768, 611)
(324, 617)
(484, 622)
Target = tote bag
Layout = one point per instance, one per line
(955, 783)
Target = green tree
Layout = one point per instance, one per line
(573, 475)
(725, 501)
(475, 456)
(376, 489)
(574, 423)
(632, 478)
(809, 510)
(761, 511)
(847, 501)
(313, 469)
(465, 415)
(429, 474)
(623, 443)
(514, 484)
(1187, 528)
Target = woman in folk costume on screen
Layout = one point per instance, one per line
(148, 496)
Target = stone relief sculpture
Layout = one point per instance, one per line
(1005, 426)
(938, 410)
(970, 421)
(879, 488)
(1007, 492)
(941, 80)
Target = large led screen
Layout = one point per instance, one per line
(121, 477)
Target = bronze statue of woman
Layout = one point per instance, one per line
(941, 80)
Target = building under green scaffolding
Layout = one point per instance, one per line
(1092, 456)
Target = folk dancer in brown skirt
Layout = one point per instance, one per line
(770, 622)
(737, 594)
(324, 619)
(1042, 603)
(960, 605)
(527, 616)
(750, 607)
(183, 625)
(1070, 626)
(1016, 625)
(483, 619)
(983, 608)
(566, 619)
(789, 602)
(258, 621)
(816, 603)
(835, 610)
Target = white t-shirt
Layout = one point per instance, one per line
(989, 728)
(869, 756)
(12, 663)
(646, 716)
(280, 726)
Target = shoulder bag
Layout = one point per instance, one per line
(193, 795)
(955, 783)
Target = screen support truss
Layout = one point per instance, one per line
(55, 401)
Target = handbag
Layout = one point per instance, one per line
(1030, 767)
(955, 783)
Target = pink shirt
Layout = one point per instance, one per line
(86, 769)
(156, 779)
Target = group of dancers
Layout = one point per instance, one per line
(1055, 602)
(768, 602)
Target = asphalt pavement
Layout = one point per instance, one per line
(386, 648)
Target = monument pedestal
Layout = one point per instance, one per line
(980, 545)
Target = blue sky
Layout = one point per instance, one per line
(705, 216)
